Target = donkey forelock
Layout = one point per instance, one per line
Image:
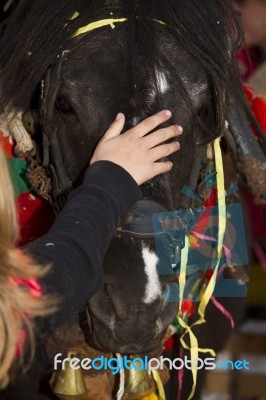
(37, 33)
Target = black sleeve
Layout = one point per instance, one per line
(76, 244)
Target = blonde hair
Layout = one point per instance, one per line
(18, 304)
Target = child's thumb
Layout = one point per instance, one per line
(116, 127)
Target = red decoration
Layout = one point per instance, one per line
(188, 308)
(169, 344)
(209, 274)
(6, 146)
(35, 217)
(259, 109)
(258, 106)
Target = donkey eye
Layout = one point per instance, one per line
(63, 104)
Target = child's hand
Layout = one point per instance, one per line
(136, 151)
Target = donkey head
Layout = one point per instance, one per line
(83, 91)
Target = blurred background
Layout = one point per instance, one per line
(249, 339)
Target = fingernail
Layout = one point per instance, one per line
(180, 129)
(167, 113)
(119, 116)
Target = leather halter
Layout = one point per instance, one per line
(149, 220)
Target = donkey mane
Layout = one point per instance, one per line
(38, 30)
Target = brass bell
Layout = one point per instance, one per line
(137, 382)
(69, 381)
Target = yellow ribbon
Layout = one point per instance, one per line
(193, 339)
(151, 396)
(194, 349)
(97, 25)
(159, 384)
(74, 16)
(221, 230)
(103, 22)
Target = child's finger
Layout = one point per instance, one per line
(162, 135)
(115, 128)
(164, 150)
(151, 123)
(161, 167)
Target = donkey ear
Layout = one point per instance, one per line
(247, 153)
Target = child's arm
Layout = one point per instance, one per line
(76, 244)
